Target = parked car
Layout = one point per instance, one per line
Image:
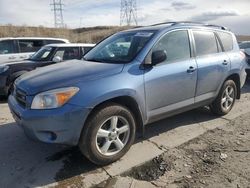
(130, 79)
(20, 48)
(245, 47)
(47, 55)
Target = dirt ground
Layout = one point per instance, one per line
(219, 158)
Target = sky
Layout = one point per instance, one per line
(234, 14)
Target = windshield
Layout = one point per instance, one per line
(42, 55)
(119, 48)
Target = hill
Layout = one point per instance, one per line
(88, 35)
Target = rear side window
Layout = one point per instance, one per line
(53, 42)
(227, 40)
(30, 45)
(7, 47)
(176, 44)
(205, 43)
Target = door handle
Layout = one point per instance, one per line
(191, 69)
(23, 56)
(225, 62)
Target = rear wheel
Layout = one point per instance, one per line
(225, 99)
(108, 134)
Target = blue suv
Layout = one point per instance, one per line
(128, 80)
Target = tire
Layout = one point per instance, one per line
(98, 133)
(11, 88)
(225, 100)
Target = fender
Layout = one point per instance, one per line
(120, 93)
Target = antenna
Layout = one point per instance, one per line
(58, 13)
(128, 14)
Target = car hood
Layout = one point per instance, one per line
(13, 63)
(64, 74)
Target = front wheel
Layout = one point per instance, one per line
(225, 99)
(108, 134)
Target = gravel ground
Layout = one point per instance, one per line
(219, 158)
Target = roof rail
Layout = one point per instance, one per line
(218, 26)
(191, 22)
(163, 23)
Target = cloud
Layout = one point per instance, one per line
(213, 15)
(180, 5)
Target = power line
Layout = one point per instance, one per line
(57, 8)
(128, 14)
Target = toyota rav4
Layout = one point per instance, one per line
(128, 80)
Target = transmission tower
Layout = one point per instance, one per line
(57, 8)
(128, 15)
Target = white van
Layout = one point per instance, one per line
(20, 48)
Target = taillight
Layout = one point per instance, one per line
(243, 55)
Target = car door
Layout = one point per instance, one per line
(213, 64)
(171, 84)
(8, 51)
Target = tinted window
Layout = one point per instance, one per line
(53, 42)
(30, 45)
(205, 43)
(7, 47)
(68, 53)
(176, 45)
(86, 50)
(227, 40)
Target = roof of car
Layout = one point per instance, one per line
(71, 45)
(34, 38)
(181, 24)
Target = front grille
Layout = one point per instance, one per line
(20, 97)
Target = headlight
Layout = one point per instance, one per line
(3, 68)
(53, 98)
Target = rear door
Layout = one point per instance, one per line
(213, 64)
(8, 51)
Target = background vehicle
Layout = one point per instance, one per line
(130, 79)
(245, 47)
(20, 48)
(47, 55)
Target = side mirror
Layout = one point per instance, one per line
(57, 59)
(158, 56)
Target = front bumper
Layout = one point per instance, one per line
(62, 125)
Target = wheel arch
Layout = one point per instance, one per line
(128, 102)
(236, 78)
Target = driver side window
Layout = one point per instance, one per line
(176, 46)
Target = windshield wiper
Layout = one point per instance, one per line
(94, 60)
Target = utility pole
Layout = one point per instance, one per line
(128, 14)
(57, 8)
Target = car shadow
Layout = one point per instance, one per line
(27, 163)
(246, 88)
(3, 99)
